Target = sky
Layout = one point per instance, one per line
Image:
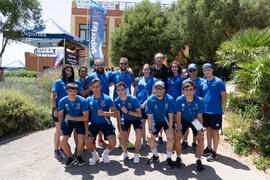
(60, 12)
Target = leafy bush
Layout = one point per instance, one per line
(21, 73)
(19, 114)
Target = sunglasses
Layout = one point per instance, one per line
(192, 70)
(123, 63)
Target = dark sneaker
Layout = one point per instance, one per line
(184, 145)
(199, 165)
(194, 147)
(207, 152)
(178, 162)
(160, 140)
(57, 154)
(70, 161)
(62, 152)
(170, 163)
(212, 157)
(153, 159)
(80, 161)
(75, 152)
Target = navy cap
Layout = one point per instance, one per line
(192, 66)
(206, 66)
(160, 83)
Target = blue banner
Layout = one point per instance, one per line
(97, 27)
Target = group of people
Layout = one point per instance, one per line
(162, 97)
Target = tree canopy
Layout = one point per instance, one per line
(140, 35)
(15, 16)
(204, 24)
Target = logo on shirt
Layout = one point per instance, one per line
(103, 103)
(78, 105)
(129, 105)
(166, 106)
(156, 107)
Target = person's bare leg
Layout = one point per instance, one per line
(209, 137)
(200, 144)
(80, 145)
(57, 136)
(215, 134)
(65, 145)
(138, 141)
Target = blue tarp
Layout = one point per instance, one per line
(49, 34)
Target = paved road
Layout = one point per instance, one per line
(31, 157)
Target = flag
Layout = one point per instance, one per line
(58, 59)
(96, 27)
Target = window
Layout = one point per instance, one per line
(84, 34)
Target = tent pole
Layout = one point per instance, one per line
(38, 59)
(64, 60)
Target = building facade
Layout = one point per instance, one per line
(79, 24)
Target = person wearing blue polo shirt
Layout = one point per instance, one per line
(193, 76)
(84, 88)
(105, 80)
(143, 90)
(101, 107)
(189, 109)
(214, 94)
(59, 91)
(123, 75)
(102, 75)
(129, 107)
(174, 80)
(160, 108)
(75, 110)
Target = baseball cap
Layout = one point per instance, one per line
(160, 83)
(206, 66)
(192, 66)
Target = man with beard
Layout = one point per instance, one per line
(84, 88)
(160, 108)
(160, 71)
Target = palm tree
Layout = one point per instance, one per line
(249, 51)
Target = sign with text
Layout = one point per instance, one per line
(97, 27)
(72, 59)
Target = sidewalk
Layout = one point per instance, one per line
(31, 157)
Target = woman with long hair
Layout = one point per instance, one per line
(144, 89)
(58, 92)
(175, 80)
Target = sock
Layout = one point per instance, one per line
(179, 156)
(198, 158)
(107, 150)
(169, 154)
(94, 153)
(154, 151)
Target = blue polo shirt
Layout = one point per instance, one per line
(131, 104)
(212, 96)
(74, 109)
(144, 88)
(105, 80)
(160, 109)
(198, 82)
(81, 85)
(60, 87)
(104, 103)
(174, 86)
(127, 78)
(189, 110)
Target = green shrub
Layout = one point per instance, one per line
(21, 73)
(262, 163)
(19, 114)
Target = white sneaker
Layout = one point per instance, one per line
(136, 158)
(94, 160)
(123, 156)
(106, 157)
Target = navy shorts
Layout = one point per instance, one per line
(137, 124)
(106, 129)
(156, 127)
(68, 126)
(54, 119)
(144, 115)
(186, 125)
(212, 120)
